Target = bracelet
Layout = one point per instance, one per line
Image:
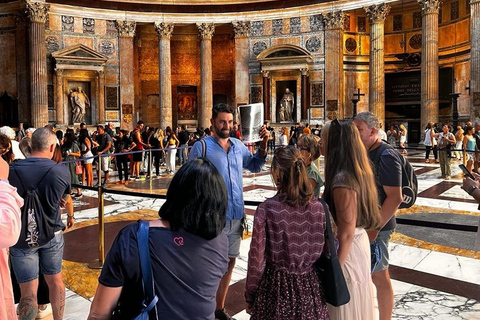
(72, 216)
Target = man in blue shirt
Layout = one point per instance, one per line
(230, 157)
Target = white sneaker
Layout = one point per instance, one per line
(45, 312)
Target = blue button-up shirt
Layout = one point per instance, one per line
(230, 165)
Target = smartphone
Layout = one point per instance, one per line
(466, 172)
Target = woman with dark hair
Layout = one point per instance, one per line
(430, 142)
(187, 248)
(287, 239)
(70, 151)
(351, 194)
(123, 144)
(86, 145)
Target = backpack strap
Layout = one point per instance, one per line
(146, 265)
(40, 181)
(204, 148)
(377, 153)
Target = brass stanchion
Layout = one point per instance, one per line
(150, 164)
(98, 263)
(464, 157)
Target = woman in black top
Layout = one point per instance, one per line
(123, 144)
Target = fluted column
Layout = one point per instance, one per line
(37, 14)
(334, 58)
(242, 83)
(266, 95)
(429, 85)
(164, 32)
(305, 94)
(59, 93)
(475, 58)
(126, 32)
(205, 31)
(100, 81)
(376, 84)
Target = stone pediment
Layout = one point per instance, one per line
(78, 55)
(284, 57)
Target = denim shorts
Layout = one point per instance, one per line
(48, 258)
(234, 231)
(383, 240)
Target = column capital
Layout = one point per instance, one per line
(37, 11)
(164, 30)
(334, 20)
(205, 30)
(100, 73)
(377, 13)
(265, 73)
(305, 72)
(474, 2)
(59, 72)
(126, 28)
(241, 28)
(430, 6)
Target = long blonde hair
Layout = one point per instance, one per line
(290, 175)
(345, 152)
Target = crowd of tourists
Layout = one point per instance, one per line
(191, 249)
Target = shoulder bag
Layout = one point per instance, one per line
(329, 270)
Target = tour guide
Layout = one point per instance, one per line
(230, 156)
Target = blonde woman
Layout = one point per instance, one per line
(309, 146)
(402, 133)
(351, 193)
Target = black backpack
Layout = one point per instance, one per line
(35, 228)
(409, 179)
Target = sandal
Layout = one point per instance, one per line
(427, 161)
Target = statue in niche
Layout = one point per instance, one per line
(286, 106)
(80, 102)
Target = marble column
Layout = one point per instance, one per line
(22, 65)
(266, 96)
(100, 81)
(305, 95)
(376, 80)
(429, 78)
(205, 31)
(59, 93)
(126, 32)
(334, 58)
(37, 14)
(242, 83)
(475, 59)
(164, 32)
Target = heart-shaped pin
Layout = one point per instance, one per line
(178, 241)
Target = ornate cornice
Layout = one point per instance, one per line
(205, 30)
(37, 11)
(430, 6)
(126, 28)
(241, 28)
(377, 13)
(334, 20)
(164, 30)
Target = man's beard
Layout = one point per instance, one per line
(223, 134)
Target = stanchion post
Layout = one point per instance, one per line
(98, 264)
(150, 163)
(464, 157)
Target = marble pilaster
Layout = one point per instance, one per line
(126, 33)
(475, 59)
(429, 78)
(334, 58)
(376, 89)
(266, 95)
(59, 93)
(37, 14)
(205, 31)
(242, 81)
(100, 81)
(164, 32)
(305, 94)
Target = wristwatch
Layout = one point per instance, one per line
(471, 189)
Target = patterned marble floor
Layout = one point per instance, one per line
(435, 271)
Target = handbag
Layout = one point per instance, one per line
(78, 167)
(328, 268)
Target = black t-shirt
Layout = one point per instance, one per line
(185, 287)
(183, 137)
(387, 173)
(102, 140)
(123, 143)
(51, 189)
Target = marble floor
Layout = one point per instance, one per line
(435, 272)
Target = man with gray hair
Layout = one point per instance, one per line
(388, 178)
(51, 182)
(10, 133)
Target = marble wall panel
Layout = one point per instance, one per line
(316, 75)
(277, 27)
(289, 40)
(364, 45)
(100, 27)
(223, 54)
(148, 55)
(256, 79)
(462, 78)
(107, 47)
(55, 22)
(314, 44)
(446, 36)
(286, 26)
(304, 24)
(78, 25)
(111, 79)
(7, 21)
(185, 55)
(72, 40)
(393, 43)
(7, 64)
(257, 29)
(267, 28)
(316, 22)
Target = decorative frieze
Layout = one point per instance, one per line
(257, 29)
(258, 47)
(295, 25)
(334, 20)
(126, 28)
(164, 30)
(316, 22)
(37, 11)
(241, 28)
(377, 13)
(67, 23)
(277, 27)
(313, 44)
(111, 28)
(106, 47)
(88, 25)
(206, 30)
(429, 6)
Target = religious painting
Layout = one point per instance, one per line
(316, 93)
(79, 99)
(286, 101)
(187, 102)
(256, 94)
(111, 97)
